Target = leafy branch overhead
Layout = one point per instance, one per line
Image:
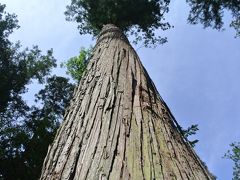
(211, 13)
(140, 18)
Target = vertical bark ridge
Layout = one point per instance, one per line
(117, 125)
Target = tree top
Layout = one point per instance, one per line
(140, 18)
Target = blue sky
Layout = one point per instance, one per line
(197, 72)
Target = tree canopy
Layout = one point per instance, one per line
(142, 18)
(136, 17)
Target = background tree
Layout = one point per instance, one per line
(24, 144)
(18, 68)
(26, 131)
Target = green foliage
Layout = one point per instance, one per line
(140, 18)
(210, 13)
(234, 155)
(55, 96)
(77, 65)
(192, 130)
(8, 22)
(26, 131)
(23, 146)
(18, 68)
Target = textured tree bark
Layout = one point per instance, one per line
(118, 126)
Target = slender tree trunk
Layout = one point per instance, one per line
(117, 126)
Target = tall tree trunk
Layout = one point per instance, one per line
(118, 126)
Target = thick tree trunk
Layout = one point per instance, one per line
(117, 126)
